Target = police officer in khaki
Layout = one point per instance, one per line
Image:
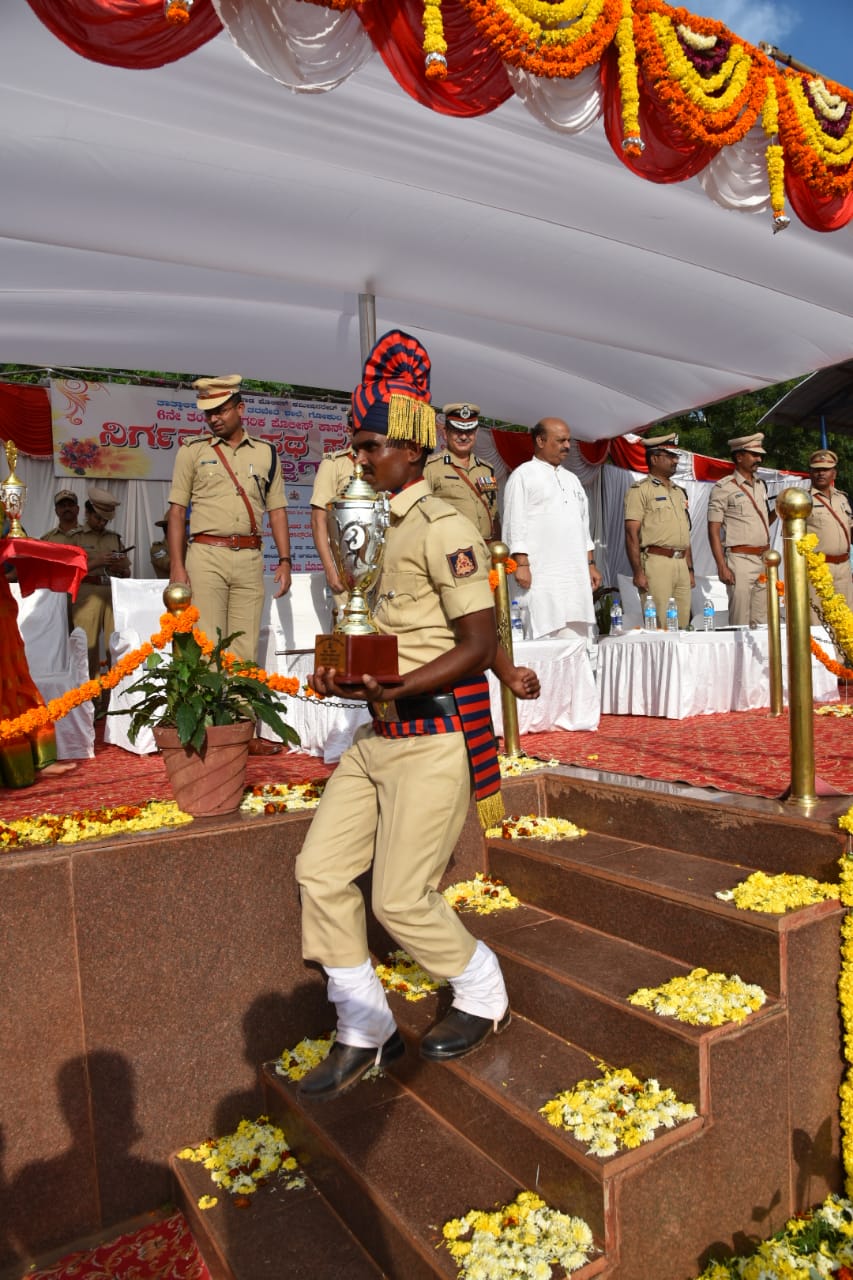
(657, 532)
(93, 608)
(159, 552)
(831, 519)
(67, 510)
(461, 478)
(333, 475)
(739, 503)
(229, 480)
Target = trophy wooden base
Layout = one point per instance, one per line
(356, 656)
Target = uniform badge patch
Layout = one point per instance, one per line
(462, 562)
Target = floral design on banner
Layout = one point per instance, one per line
(517, 1241)
(701, 999)
(778, 894)
(616, 1111)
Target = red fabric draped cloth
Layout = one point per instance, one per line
(25, 419)
(127, 33)
(54, 565)
(476, 80)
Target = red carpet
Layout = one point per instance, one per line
(745, 752)
(163, 1251)
(742, 751)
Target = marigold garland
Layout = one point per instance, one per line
(484, 894)
(845, 999)
(242, 1161)
(90, 824)
(629, 91)
(812, 146)
(832, 607)
(170, 626)
(435, 45)
(616, 1110)
(558, 49)
(531, 827)
(510, 566)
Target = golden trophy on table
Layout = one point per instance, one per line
(357, 521)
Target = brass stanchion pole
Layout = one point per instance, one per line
(774, 632)
(509, 707)
(794, 506)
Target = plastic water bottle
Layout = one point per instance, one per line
(708, 616)
(516, 621)
(650, 615)
(671, 614)
(616, 617)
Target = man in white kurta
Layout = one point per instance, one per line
(546, 527)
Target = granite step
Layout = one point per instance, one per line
(396, 1170)
(658, 898)
(277, 1233)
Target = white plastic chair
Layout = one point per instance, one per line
(58, 662)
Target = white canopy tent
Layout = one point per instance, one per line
(203, 217)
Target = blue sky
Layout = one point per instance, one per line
(816, 32)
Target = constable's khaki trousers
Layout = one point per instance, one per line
(400, 805)
(748, 596)
(668, 577)
(228, 591)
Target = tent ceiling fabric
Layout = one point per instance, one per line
(826, 398)
(200, 216)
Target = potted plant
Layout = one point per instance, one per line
(202, 705)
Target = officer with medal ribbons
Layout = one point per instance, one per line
(657, 532)
(400, 795)
(460, 477)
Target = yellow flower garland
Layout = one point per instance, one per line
(701, 999)
(832, 607)
(435, 45)
(245, 1160)
(778, 894)
(845, 999)
(523, 1238)
(484, 895)
(615, 1111)
(629, 92)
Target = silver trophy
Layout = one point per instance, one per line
(356, 523)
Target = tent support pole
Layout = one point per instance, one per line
(366, 323)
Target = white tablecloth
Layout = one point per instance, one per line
(646, 673)
(569, 697)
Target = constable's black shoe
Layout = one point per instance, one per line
(263, 747)
(460, 1033)
(344, 1067)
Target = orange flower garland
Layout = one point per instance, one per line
(823, 160)
(716, 110)
(170, 625)
(510, 566)
(435, 45)
(837, 668)
(547, 51)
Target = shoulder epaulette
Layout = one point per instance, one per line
(432, 508)
(188, 440)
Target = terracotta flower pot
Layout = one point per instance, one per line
(212, 780)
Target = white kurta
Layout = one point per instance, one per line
(546, 516)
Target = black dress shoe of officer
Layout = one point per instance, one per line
(344, 1067)
(460, 1033)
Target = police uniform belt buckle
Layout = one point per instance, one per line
(740, 550)
(429, 707)
(673, 553)
(836, 559)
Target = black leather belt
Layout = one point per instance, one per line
(426, 707)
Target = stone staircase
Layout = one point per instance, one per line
(392, 1160)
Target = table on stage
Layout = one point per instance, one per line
(654, 673)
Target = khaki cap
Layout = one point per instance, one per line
(65, 495)
(751, 444)
(462, 416)
(823, 460)
(212, 392)
(103, 501)
(668, 443)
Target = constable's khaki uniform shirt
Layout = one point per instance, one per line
(96, 543)
(201, 481)
(62, 535)
(435, 569)
(829, 508)
(662, 512)
(480, 507)
(730, 505)
(333, 475)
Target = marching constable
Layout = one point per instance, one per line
(399, 797)
(739, 502)
(461, 478)
(831, 519)
(229, 480)
(657, 532)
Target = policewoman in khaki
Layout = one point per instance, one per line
(657, 533)
(831, 519)
(93, 608)
(739, 504)
(229, 481)
(399, 797)
(461, 478)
